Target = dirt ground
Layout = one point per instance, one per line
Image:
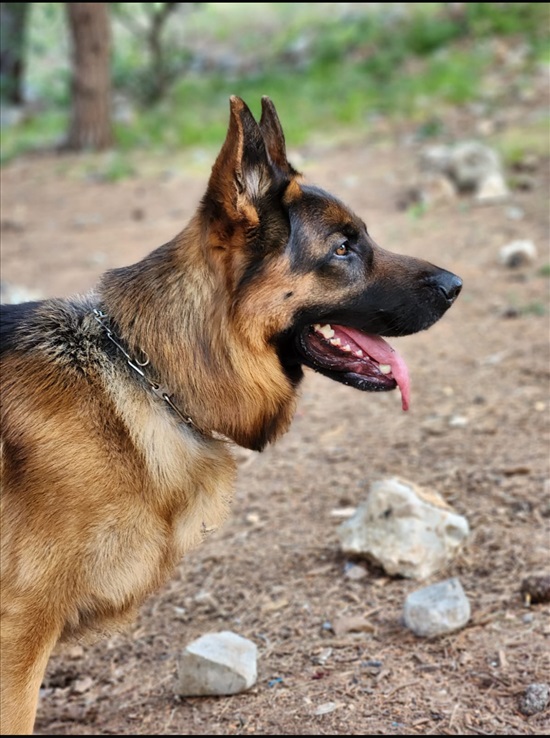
(273, 573)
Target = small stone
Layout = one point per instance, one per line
(323, 657)
(518, 253)
(534, 699)
(536, 590)
(82, 685)
(486, 127)
(217, 664)
(327, 707)
(458, 421)
(342, 512)
(515, 213)
(438, 609)
(408, 530)
(492, 189)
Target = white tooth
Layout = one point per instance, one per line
(336, 341)
(326, 330)
(384, 368)
(347, 347)
(359, 353)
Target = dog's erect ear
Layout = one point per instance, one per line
(242, 172)
(274, 138)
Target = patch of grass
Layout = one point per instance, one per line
(531, 20)
(534, 308)
(514, 144)
(418, 210)
(36, 132)
(112, 168)
(544, 271)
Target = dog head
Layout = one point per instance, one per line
(302, 260)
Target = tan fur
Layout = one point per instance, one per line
(104, 486)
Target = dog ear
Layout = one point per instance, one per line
(242, 172)
(272, 131)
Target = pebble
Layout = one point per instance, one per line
(492, 188)
(534, 699)
(438, 609)
(517, 253)
(217, 664)
(536, 589)
(515, 213)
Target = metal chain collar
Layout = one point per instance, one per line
(160, 391)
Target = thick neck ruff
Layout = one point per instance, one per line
(159, 390)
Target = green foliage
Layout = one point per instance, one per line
(112, 168)
(327, 67)
(531, 20)
(41, 131)
(516, 143)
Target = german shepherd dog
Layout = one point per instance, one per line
(117, 407)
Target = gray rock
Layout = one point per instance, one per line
(407, 530)
(534, 699)
(217, 664)
(472, 167)
(518, 253)
(438, 609)
(472, 163)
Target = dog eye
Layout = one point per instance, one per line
(342, 249)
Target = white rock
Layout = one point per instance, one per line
(438, 609)
(492, 189)
(407, 530)
(217, 664)
(518, 253)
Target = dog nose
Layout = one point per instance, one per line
(449, 285)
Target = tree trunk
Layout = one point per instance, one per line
(90, 126)
(13, 23)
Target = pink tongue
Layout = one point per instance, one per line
(383, 353)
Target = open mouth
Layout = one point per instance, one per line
(362, 360)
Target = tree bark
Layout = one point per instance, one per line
(13, 24)
(91, 125)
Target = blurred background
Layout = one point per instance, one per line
(157, 75)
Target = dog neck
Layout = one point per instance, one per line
(142, 368)
(174, 306)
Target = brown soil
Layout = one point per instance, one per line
(274, 573)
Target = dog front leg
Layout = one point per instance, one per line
(27, 639)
